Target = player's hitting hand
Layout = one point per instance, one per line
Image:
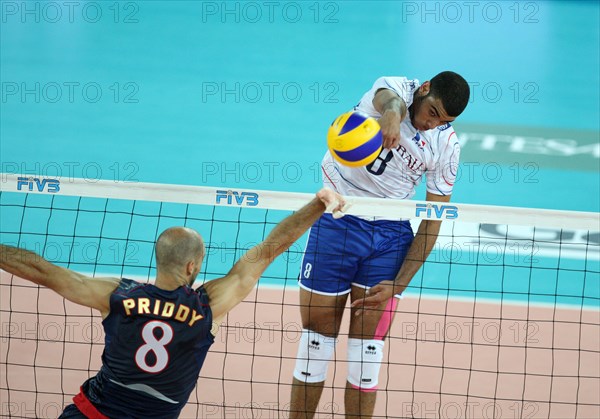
(334, 202)
(390, 128)
(392, 110)
(376, 296)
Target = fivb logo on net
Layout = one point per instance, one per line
(32, 184)
(448, 212)
(239, 198)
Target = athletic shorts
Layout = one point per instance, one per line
(352, 251)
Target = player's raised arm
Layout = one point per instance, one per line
(75, 287)
(393, 110)
(225, 293)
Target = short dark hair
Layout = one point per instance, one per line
(453, 90)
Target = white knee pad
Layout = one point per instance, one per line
(314, 353)
(364, 362)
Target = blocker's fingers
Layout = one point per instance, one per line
(332, 206)
(339, 213)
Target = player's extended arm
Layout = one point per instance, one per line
(225, 293)
(80, 289)
(417, 254)
(393, 110)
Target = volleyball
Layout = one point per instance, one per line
(354, 139)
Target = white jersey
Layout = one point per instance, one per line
(396, 173)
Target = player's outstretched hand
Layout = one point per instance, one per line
(334, 202)
(390, 129)
(375, 296)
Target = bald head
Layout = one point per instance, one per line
(176, 247)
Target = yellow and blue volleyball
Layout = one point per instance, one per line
(354, 139)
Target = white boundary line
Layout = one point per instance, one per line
(370, 207)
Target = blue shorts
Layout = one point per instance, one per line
(352, 251)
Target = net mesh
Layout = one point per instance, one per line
(502, 321)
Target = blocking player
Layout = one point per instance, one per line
(157, 336)
(373, 260)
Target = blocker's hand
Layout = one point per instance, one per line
(334, 202)
(376, 296)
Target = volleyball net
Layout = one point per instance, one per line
(503, 319)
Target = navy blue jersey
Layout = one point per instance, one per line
(156, 342)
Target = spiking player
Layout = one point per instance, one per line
(374, 260)
(157, 336)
